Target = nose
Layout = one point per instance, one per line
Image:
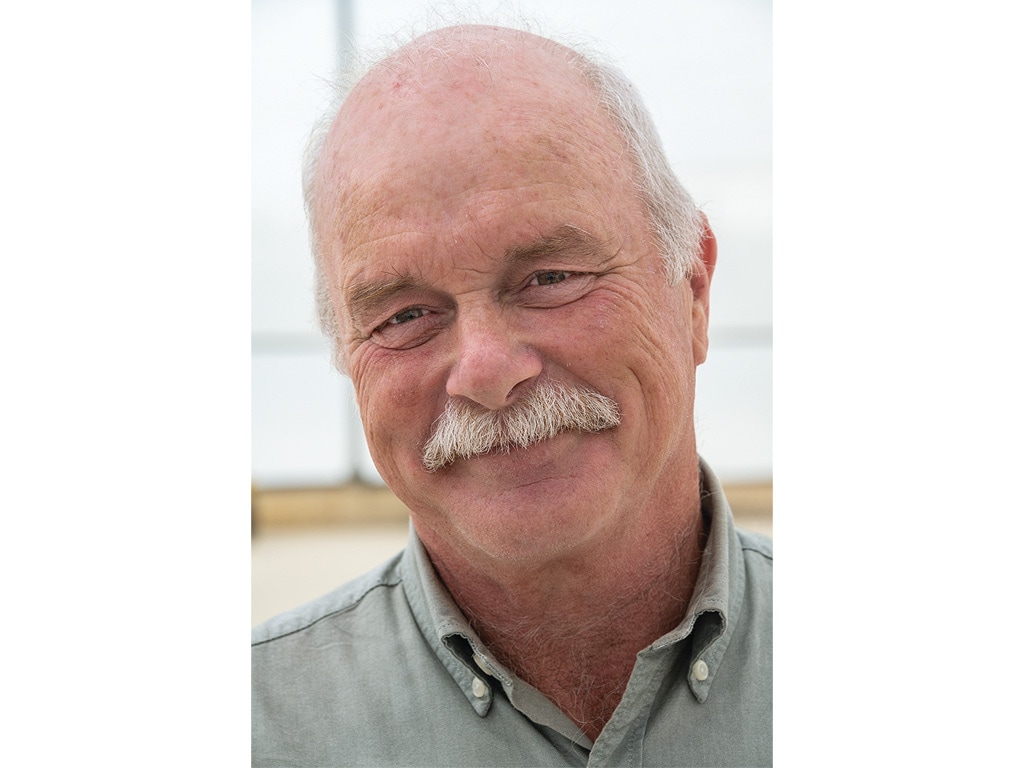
(491, 361)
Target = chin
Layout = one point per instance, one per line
(523, 504)
(540, 520)
(529, 543)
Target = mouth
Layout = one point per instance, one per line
(509, 449)
(499, 450)
(547, 450)
(546, 412)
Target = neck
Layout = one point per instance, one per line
(572, 628)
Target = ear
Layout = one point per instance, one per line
(700, 286)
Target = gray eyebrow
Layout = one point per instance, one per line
(363, 296)
(565, 238)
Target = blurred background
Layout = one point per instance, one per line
(320, 512)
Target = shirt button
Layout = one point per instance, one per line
(482, 663)
(700, 670)
(479, 689)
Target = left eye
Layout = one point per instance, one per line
(549, 278)
(555, 288)
(405, 316)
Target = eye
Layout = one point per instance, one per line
(555, 288)
(405, 316)
(549, 278)
(409, 328)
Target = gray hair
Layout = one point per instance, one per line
(545, 410)
(673, 216)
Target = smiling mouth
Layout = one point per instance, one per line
(497, 451)
(509, 449)
(539, 451)
(549, 409)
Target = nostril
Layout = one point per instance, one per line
(491, 374)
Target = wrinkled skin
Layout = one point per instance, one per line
(481, 233)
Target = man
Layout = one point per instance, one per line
(518, 287)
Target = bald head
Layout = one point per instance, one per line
(458, 97)
(471, 94)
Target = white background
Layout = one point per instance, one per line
(704, 68)
(124, 415)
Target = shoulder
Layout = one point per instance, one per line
(756, 544)
(345, 603)
(756, 555)
(756, 558)
(325, 675)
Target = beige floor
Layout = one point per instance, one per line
(296, 564)
(307, 543)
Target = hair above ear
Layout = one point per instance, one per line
(707, 255)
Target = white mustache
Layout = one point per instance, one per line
(464, 431)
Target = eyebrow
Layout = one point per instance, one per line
(364, 296)
(565, 240)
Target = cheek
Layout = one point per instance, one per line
(392, 430)
(644, 345)
(630, 329)
(662, 331)
(394, 400)
(383, 404)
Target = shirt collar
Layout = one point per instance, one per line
(717, 595)
(464, 654)
(443, 625)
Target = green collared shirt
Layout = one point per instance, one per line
(387, 671)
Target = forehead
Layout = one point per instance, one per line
(475, 86)
(422, 144)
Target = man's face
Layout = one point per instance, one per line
(489, 239)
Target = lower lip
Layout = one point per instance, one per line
(544, 454)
